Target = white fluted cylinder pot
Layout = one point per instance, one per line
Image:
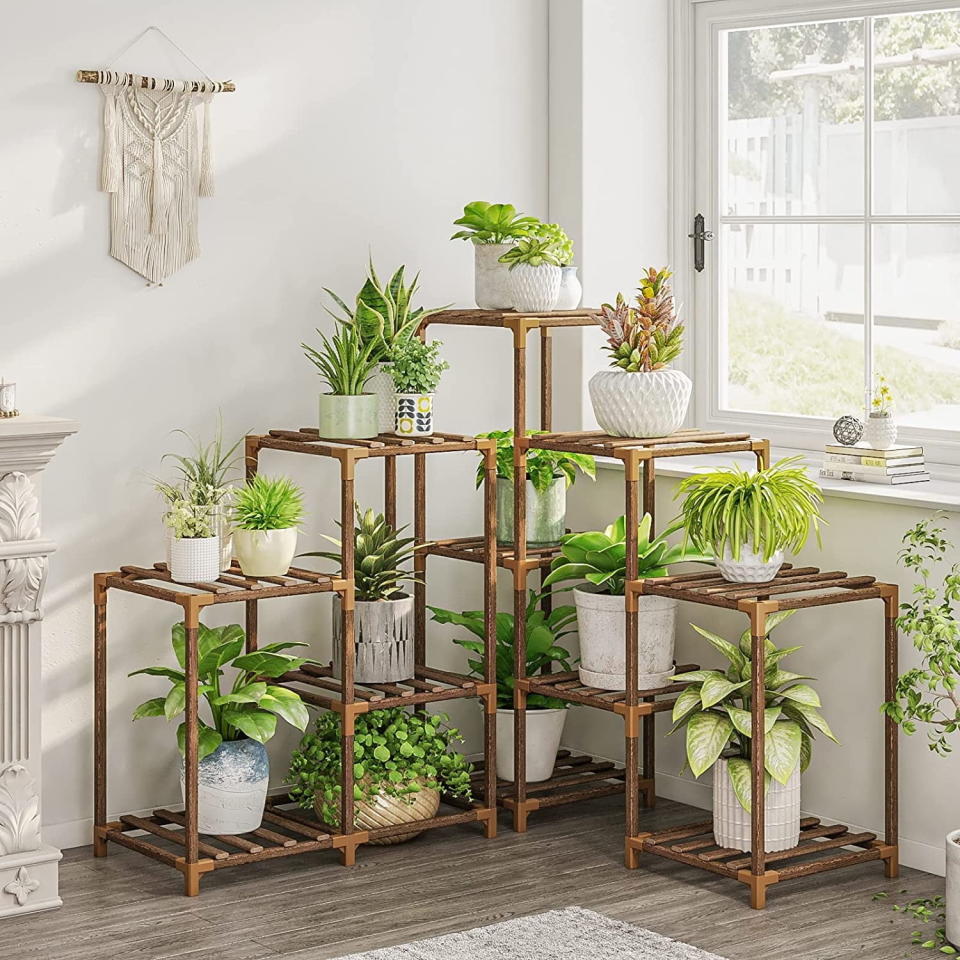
(640, 404)
(732, 824)
(534, 289)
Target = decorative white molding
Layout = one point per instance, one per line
(19, 811)
(21, 887)
(21, 578)
(15, 700)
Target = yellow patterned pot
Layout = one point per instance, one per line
(414, 415)
(387, 811)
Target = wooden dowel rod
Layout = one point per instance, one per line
(93, 76)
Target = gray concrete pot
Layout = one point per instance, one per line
(546, 512)
(383, 632)
(492, 289)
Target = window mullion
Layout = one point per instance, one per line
(867, 211)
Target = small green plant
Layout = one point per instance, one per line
(881, 403)
(395, 753)
(600, 557)
(416, 367)
(563, 246)
(534, 252)
(187, 520)
(344, 361)
(715, 711)
(493, 223)
(543, 466)
(544, 632)
(767, 510)
(248, 708)
(268, 503)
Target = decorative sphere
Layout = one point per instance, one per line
(848, 430)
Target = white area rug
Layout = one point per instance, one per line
(571, 934)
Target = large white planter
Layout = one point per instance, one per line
(544, 730)
(491, 287)
(571, 291)
(383, 631)
(731, 823)
(750, 568)
(953, 887)
(640, 404)
(193, 559)
(381, 384)
(265, 553)
(880, 433)
(534, 289)
(603, 640)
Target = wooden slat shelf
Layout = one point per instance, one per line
(472, 549)
(513, 320)
(308, 440)
(684, 443)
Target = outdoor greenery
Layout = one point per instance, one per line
(715, 711)
(416, 367)
(544, 631)
(493, 223)
(534, 252)
(268, 503)
(543, 466)
(344, 361)
(394, 753)
(248, 708)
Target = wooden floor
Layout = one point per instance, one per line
(309, 907)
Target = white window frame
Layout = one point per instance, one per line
(693, 111)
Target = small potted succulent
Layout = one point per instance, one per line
(234, 768)
(571, 291)
(492, 228)
(415, 368)
(549, 474)
(545, 715)
(193, 544)
(880, 430)
(715, 712)
(534, 274)
(748, 519)
(266, 514)
(402, 761)
(345, 362)
(641, 396)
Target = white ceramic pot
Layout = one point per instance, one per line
(491, 288)
(880, 432)
(640, 404)
(546, 513)
(953, 887)
(224, 530)
(413, 415)
(193, 559)
(544, 730)
(534, 289)
(603, 640)
(265, 553)
(750, 568)
(571, 292)
(343, 417)
(383, 631)
(731, 823)
(381, 384)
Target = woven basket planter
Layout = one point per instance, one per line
(387, 811)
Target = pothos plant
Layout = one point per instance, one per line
(543, 466)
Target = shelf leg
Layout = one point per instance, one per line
(520, 595)
(649, 758)
(758, 856)
(348, 654)
(631, 749)
(490, 638)
(390, 490)
(251, 456)
(99, 715)
(191, 622)
(420, 557)
(251, 623)
(650, 492)
(546, 378)
(891, 608)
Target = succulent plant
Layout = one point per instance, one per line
(534, 251)
(493, 223)
(563, 244)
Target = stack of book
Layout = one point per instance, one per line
(898, 464)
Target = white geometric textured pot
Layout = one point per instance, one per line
(491, 287)
(603, 643)
(544, 730)
(750, 568)
(193, 559)
(383, 631)
(953, 887)
(534, 289)
(413, 415)
(265, 553)
(381, 384)
(731, 823)
(880, 432)
(571, 291)
(546, 512)
(640, 404)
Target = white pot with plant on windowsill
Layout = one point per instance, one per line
(266, 514)
(880, 428)
(415, 369)
(534, 274)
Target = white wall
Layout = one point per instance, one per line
(356, 126)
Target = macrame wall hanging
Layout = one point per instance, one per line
(156, 163)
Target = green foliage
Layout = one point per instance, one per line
(601, 557)
(416, 367)
(493, 223)
(715, 711)
(186, 520)
(345, 361)
(250, 706)
(533, 251)
(394, 752)
(926, 910)
(205, 474)
(544, 631)
(543, 466)
(562, 244)
(767, 510)
(268, 503)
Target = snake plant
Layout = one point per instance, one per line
(344, 360)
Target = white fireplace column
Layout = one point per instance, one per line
(28, 867)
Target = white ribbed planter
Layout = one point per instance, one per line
(544, 730)
(534, 289)
(491, 288)
(640, 404)
(731, 823)
(750, 568)
(194, 558)
(603, 640)
(571, 291)
(381, 384)
(265, 553)
(880, 433)
(383, 631)
(953, 887)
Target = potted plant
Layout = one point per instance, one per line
(599, 557)
(492, 228)
(415, 369)
(383, 625)
(266, 514)
(570, 289)
(401, 763)
(534, 274)
(880, 430)
(346, 363)
(549, 473)
(545, 715)
(641, 396)
(234, 768)
(748, 519)
(193, 544)
(715, 712)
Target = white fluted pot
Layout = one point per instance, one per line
(879, 432)
(640, 404)
(383, 638)
(534, 289)
(731, 823)
(491, 288)
(750, 568)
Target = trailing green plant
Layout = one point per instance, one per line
(544, 632)
(715, 712)
(268, 503)
(563, 245)
(493, 223)
(534, 252)
(345, 361)
(248, 707)
(766, 510)
(379, 552)
(543, 466)
(394, 753)
(600, 557)
(416, 367)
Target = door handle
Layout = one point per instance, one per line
(699, 236)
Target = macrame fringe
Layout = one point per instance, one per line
(206, 153)
(110, 171)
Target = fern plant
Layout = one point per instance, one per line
(344, 361)
(268, 503)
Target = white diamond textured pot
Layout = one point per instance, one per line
(544, 730)
(381, 384)
(342, 417)
(546, 512)
(491, 287)
(953, 887)
(384, 640)
(194, 558)
(383, 810)
(603, 645)
(232, 787)
(413, 415)
(731, 823)
(571, 291)
(640, 404)
(265, 553)
(750, 568)
(534, 289)
(880, 431)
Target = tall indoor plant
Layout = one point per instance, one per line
(535, 274)
(415, 369)
(266, 514)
